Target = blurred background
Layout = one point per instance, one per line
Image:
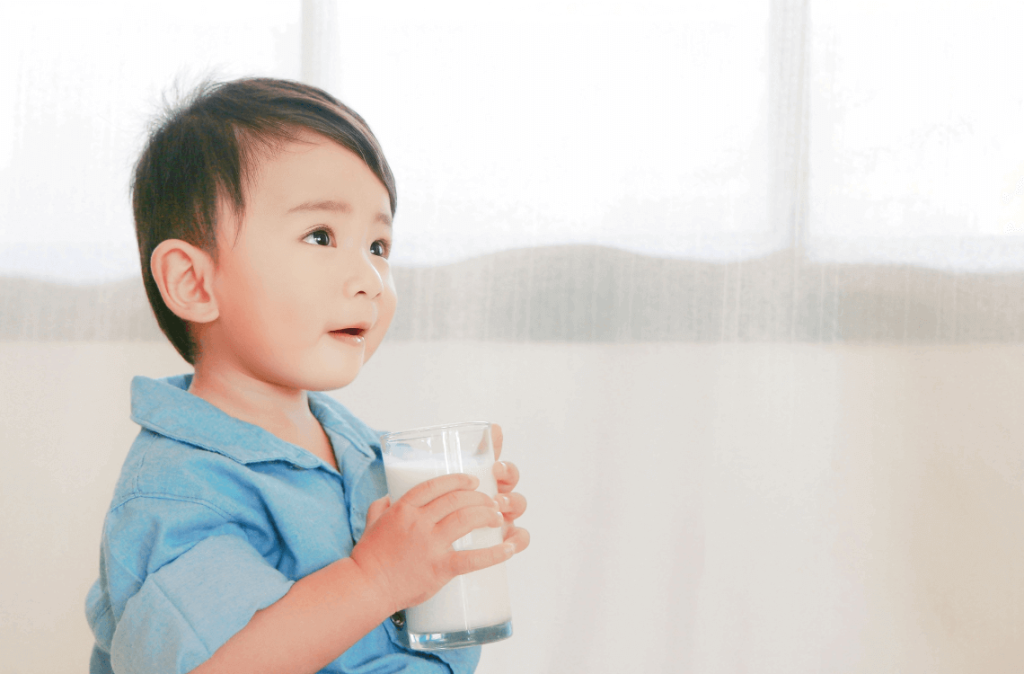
(742, 281)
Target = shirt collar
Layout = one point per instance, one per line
(166, 407)
(329, 413)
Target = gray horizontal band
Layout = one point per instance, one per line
(593, 294)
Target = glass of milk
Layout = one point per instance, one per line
(472, 608)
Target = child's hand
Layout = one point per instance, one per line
(406, 551)
(512, 504)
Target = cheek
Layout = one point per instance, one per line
(386, 306)
(263, 310)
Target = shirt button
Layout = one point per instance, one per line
(398, 619)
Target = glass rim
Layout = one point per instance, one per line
(428, 430)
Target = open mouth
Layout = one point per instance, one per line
(351, 335)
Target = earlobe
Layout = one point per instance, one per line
(184, 274)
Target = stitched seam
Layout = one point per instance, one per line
(157, 429)
(152, 576)
(102, 614)
(170, 435)
(124, 567)
(184, 499)
(167, 497)
(138, 472)
(156, 584)
(174, 497)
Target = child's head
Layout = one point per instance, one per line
(235, 157)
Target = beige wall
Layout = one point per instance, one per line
(694, 508)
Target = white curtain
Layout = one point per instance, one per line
(81, 83)
(743, 281)
(873, 132)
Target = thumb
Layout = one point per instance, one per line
(377, 509)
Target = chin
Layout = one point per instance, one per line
(331, 379)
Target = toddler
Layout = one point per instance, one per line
(249, 530)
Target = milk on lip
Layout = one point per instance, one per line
(470, 601)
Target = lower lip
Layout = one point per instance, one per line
(346, 338)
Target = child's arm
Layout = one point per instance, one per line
(403, 558)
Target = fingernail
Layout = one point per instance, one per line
(504, 502)
(510, 549)
(502, 468)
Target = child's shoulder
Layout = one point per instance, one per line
(189, 449)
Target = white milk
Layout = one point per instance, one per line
(469, 601)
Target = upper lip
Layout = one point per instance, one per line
(357, 328)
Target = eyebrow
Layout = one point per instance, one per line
(337, 207)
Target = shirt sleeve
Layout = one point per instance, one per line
(183, 580)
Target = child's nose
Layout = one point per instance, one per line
(361, 276)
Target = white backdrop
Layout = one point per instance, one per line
(728, 508)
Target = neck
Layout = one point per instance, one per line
(247, 398)
(280, 410)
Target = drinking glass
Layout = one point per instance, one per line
(472, 608)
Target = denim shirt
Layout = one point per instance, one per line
(214, 518)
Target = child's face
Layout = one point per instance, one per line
(305, 293)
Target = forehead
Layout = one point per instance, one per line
(313, 168)
(297, 173)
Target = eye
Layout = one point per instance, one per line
(379, 247)
(320, 237)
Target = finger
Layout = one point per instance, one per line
(496, 439)
(518, 537)
(377, 509)
(507, 475)
(465, 561)
(462, 521)
(425, 492)
(446, 504)
(511, 505)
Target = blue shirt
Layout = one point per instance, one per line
(213, 519)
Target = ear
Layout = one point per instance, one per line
(184, 275)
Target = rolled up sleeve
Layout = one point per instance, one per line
(203, 584)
